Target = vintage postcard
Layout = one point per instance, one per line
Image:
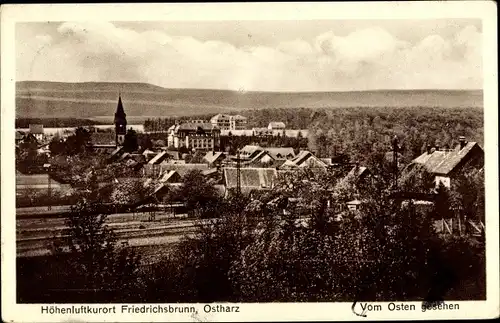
(249, 162)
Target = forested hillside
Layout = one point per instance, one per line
(89, 100)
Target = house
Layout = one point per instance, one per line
(259, 158)
(116, 153)
(249, 151)
(19, 137)
(181, 169)
(444, 165)
(229, 122)
(359, 173)
(250, 178)
(159, 158)
(304, 159)
(214, 158)
(273, 125)
(194, 136)
(275, 153)
(222, 121)
(170, 176)
(281, 153)
(149, 154)
(37, 131)
(152, 168)
(237, 122)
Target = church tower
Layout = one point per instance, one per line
(120, 123)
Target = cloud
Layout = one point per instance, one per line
(369, 58)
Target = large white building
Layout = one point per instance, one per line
(229, 122)
(197, 136)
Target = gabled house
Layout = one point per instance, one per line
(260, 157)
(170, 176)
(250, 151)
(281, 153)
(304, 159)
(149, 154)
(117, 152)
(250, 179)
(194, 136)
(152, 167)
(359, 173)
(37, 131)
(444, 165)
(214, 158)
(182, 169)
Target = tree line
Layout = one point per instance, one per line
(55, 122)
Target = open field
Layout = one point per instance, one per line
(98, 100)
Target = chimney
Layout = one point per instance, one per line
(462, 141)
(429, 147)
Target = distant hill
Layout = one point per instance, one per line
(97, 100)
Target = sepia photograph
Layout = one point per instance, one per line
(165, 163)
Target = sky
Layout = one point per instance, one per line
(306, 55)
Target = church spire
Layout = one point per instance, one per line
(120, 112)
(120, 122)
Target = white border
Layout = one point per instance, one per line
(485, 10)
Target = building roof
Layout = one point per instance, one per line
(276, 124)
(281, 152)
(36, 129)
(160, 157)
(249, 150)
(304, 158)
(444, 162)
(250, 178)
(148, 152)
(190, 126)
(116, 151)
(19, 135)
(209, 172)
(183, 169)
(239, 117)
(170, 176)
(219, 116)
(358, 171)
(211, 156)
(258, 156)
(124, 156)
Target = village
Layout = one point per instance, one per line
(146, 213)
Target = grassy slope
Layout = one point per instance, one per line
(96, 100)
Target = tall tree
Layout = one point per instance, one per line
(130, 144)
